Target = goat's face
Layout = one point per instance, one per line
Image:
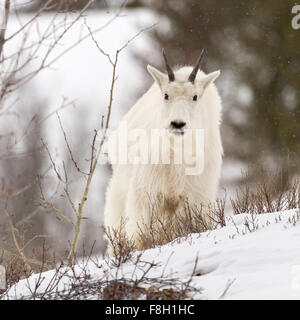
(181, 97)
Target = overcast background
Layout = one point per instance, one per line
(251, 42)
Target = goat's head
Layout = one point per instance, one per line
(181, 95)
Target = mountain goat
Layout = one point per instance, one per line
(177, 104)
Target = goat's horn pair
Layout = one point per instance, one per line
(193, 73)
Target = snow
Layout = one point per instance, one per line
(261, 261)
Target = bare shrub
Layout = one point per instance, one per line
(22, 166)
(268, 195)
(74, 282)
(17, 69)
(129, 290)
(120, 246)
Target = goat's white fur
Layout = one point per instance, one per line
(131, 186)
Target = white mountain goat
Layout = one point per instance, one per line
(177, 104)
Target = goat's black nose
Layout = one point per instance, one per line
(177, 124)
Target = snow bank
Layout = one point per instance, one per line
(253, 257)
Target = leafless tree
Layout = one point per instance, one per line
(23, 162)
(26, 161)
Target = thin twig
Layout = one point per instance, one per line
(19, 249)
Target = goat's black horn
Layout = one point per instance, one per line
(169, 70)
(192, 76)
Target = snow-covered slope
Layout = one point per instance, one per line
(253, 257)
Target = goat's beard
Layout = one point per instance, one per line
(177, 132)
(180, 139)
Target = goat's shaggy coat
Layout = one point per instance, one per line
(133, 185)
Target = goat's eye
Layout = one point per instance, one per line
(195, 97)
(166, 96)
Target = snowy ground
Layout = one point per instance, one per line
(253, 257)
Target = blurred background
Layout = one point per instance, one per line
(253, 44)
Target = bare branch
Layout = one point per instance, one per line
(19, 249)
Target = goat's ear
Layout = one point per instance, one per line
(158, 76)
(210, 78)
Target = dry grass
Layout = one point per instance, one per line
(264, 196)
(161, 230)
(191, 219)
(268, 195)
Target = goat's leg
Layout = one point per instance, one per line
(137, 217)
(114, 210)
